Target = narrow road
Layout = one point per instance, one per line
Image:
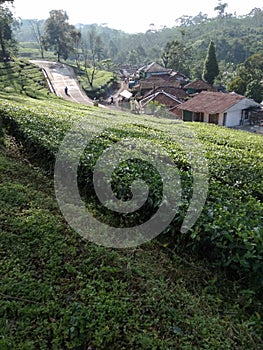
(61, 76)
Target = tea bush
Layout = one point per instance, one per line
(230, 226)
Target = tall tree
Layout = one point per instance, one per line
(76, 40)
(211, 70)
(92, 52)
(58, 34)
(37, 28)
(8, 44)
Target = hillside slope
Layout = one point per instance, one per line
(185, 291)
(59, 291)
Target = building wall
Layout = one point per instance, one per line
(234, 114)
(206, 118)
(221, 119)
(233, 117)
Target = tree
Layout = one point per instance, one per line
(133, 57)
(211, 70)
(92, 52)
(252, 70)
(221, 8)
(237, 85)
(176, 56)
(7, 42)
(255, 90)
(76, 40)
(59, 34)
(254, 67)
(249, 77)
(37, 27)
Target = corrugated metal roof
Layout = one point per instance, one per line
(155, 67)
(211, 102)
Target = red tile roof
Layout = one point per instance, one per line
(211, 102)
(161, 97)
(199, 85)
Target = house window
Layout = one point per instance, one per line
(213, 118)
(198, 117)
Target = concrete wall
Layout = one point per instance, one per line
(234, 114)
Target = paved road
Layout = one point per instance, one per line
(60, 76)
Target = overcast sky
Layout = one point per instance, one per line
(130, 16)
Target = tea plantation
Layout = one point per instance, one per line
(195, 289)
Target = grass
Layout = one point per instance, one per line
(59, 291)
(102, 83)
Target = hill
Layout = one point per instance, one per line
(185, 289)
(235, 38)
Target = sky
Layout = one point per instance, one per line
(130, 16)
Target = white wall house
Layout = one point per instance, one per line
(226, 109)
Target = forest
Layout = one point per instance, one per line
(236, 39)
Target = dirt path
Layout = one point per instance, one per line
(61, 76)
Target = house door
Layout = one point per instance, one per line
(187, 116)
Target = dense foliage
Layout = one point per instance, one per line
(248, 78)
(8, 43)
(59, 291)
(230, 228)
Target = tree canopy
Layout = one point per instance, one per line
(59, 34)
(249, 77)
(7, 41)
(211, 69)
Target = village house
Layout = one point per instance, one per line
(154, 78)
(177, 92)
(162, 98)
(226, 109)
(153, 69)
(144, 86)
(198, 86)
